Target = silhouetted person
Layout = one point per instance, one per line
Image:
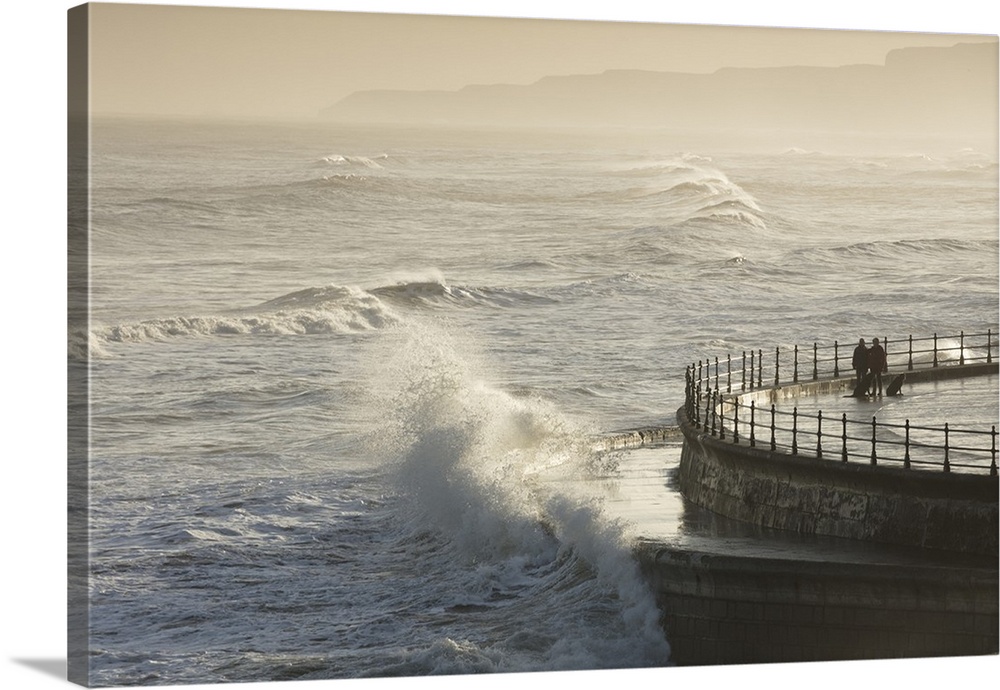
(877, 365)
(860, 362)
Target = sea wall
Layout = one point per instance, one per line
(729, 610)
(776, 489)
(720, 607)
(932, 510)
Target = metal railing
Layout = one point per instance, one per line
(796, 364)
(713, 405)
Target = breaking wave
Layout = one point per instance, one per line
(690, 189)
(430, 292)
(475, 468)
(354, 161)
(305, 312)
(329, 309)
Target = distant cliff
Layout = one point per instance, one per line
(917, 90)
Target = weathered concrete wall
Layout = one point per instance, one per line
(730, 610)
(809, 495)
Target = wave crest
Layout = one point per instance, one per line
(328, 309)
(430, 292)
(353, 161)
(305, 312)
(690, 188)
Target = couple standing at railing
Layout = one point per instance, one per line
(869, 364)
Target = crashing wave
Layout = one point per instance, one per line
(329, 309)
(305, 312)
(430, 292)
(692, 189)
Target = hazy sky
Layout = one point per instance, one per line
(177, 60)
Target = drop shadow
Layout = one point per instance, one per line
(50, 667)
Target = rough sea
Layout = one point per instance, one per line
(345, 381)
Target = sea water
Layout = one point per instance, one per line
(345, 381)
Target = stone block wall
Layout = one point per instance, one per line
(779, 490)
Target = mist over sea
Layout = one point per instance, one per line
(345, 379)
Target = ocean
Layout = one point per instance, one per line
(345, 381)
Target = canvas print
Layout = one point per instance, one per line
(414, 345)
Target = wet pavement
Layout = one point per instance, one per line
(970, 406)
(642, 492)
(641, 489)
(972, 403)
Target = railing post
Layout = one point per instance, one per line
(815, 362)
(736, 420)
(874, 456)
(989, 346)
(753, 438)
(993, 452)
(843, 452)
(687, 391)
(743, 385)
(773, 444)
(697, 404)
(760, 367)
(819, 434)
(947, 463)
(751, 369)
(777, 363)
(935, 350)
(729, 373)
(906, 456)
(795, 366)
(708, 408)
(701, 376)
(795, 431)
(695, 395)
(836, 360)
(961, 347)
(716, 373)
(722, 418)
(693, 405)
(715, 410)
(909, 366)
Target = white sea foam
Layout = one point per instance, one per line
(362, 161)
(306, 312)
(474, 460)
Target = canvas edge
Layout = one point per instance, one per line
(78, 360)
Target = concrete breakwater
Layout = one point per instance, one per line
(930, 589)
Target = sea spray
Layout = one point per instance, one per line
(486, 472)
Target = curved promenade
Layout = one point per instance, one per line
(745, 459)
(773, 486)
